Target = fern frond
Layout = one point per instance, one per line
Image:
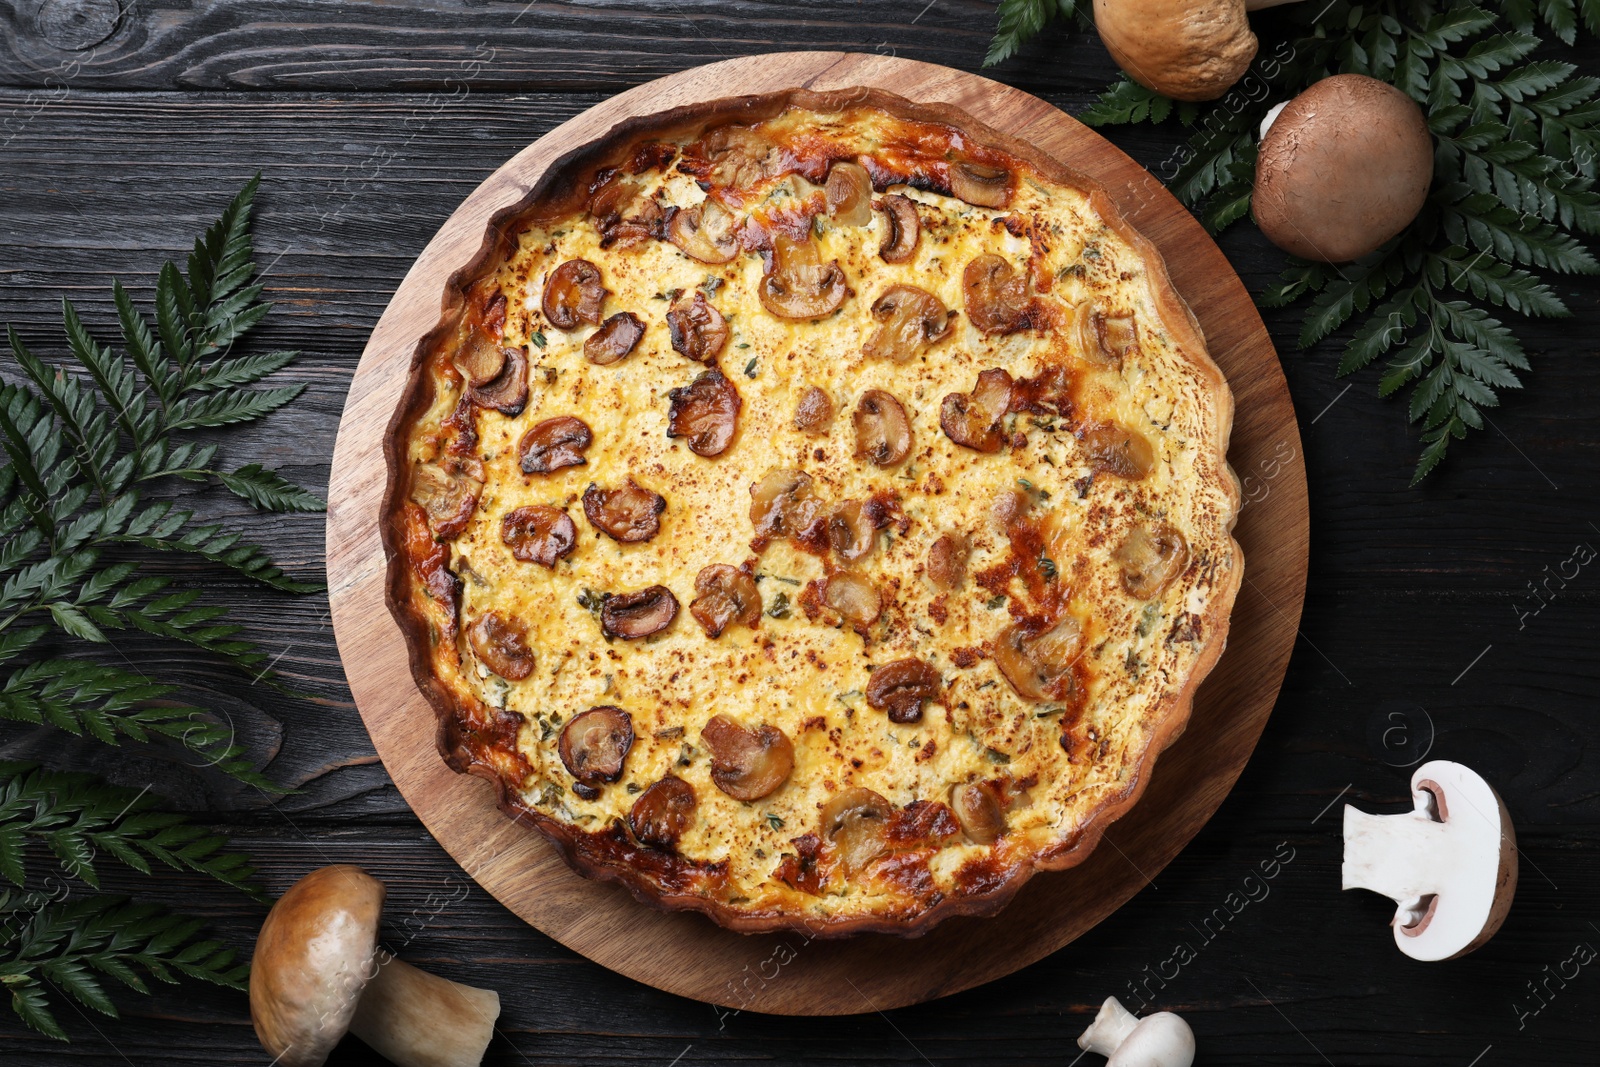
(72, 945)
(79, 818)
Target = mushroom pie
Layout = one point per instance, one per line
(812, 510)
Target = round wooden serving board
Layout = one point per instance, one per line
(784, 973)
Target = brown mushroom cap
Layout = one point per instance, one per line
(316, 953)
(1185, 49)
(1343, 168)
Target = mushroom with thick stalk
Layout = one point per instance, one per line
(1185, 49)
(1159, 1040)
(317, 972)
(1343, 167)
(1450, 863)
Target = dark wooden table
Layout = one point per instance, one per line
(125, 132)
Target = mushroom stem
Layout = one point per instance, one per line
(1394, 855)
(416, 1019)
(1110, 1028)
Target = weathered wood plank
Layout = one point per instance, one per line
(449, 45)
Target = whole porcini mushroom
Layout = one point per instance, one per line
(1185, 49)
(1159, 1040)
(318, 972)
(1343, 167)
(1450, 863)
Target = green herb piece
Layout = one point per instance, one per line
(1047, 567)
(997, 601)
(779, 578)
(774, 820)
(996, 756)
(592, 601)
(985, 685)
(780, 606)
(742, 344)
(538, 339)
(750, 368)
(711, 284)
(1147, 619)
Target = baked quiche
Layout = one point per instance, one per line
(813, 510)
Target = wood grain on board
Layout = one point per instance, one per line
(783, 974)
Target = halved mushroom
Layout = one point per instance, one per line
(507, 392)
(663, 812)
(538, 533)
(883, 430)
(1449, 864)
(782, 505)
(697, 329)
(856, 821)
(972, 420)
(594, 745)
(910, 320)
(1040, 666)
(814, 413)
(851, 531)
(996, 295)
(799, 285)
(1151, 556)
(640, 613)
(904, 229)
(610, 192)
(553, 444)
(900, 688)
(725, 595)
(979, 811)
(632, 513)
(706, 232)
(980, 183)
(706, 411)
(501, 645)
(448, 492)
(849, 192)
(615, 338)
(738, 155)
(1105, 340)
(574, 294)
(853, 597)
(1117, 449)
(747, 764)
(947, 560)
(480, 358)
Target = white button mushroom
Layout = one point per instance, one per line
(1450, 863)
(1185, 49)
(1343, 167)
(1159, 1040)
(317, 972)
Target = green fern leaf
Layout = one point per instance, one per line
(270, 491)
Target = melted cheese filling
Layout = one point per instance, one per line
(807, 677)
